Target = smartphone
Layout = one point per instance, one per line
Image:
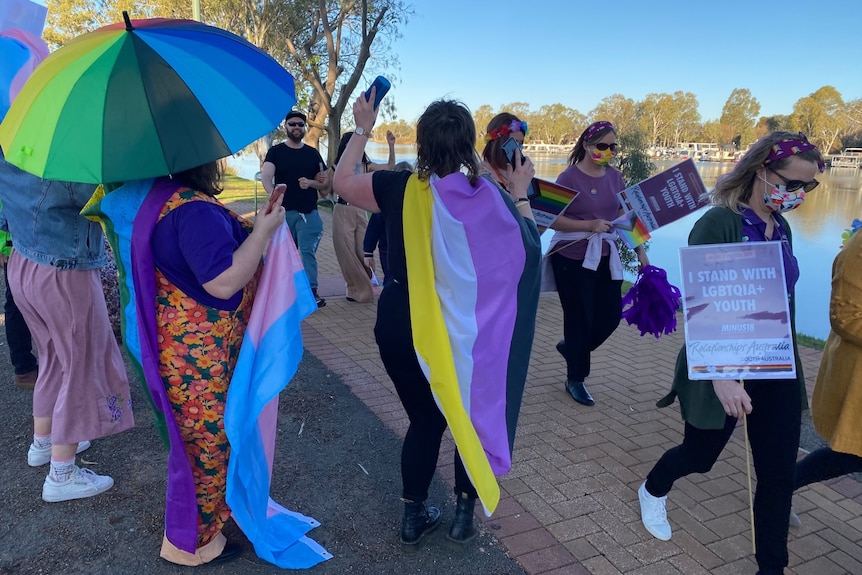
(275, 198)
(382, 85)
(509, 147)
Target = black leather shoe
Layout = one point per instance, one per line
(418, 521)
(561, 348)
(230, 552)
(462, 529)
(579, 392)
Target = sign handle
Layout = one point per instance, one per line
(748, 473)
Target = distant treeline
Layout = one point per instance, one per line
(668, 119)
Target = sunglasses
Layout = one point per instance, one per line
(602, 146)
(296, 124)
(793, 185)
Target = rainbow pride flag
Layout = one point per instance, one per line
(631, 229)
(473, 268)
(269, 356)
(549, 201)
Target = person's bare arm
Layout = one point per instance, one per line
(350, 181)
(267, 175)
(247, 256)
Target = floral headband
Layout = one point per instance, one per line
(506, 129)
(595, 128)
(791, 147)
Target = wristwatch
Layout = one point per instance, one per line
(360, 131)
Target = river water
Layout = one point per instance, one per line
(817, 226)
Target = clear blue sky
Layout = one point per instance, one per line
(578, 52)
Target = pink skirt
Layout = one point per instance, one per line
(82, 384)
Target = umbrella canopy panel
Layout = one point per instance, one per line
(168, 95)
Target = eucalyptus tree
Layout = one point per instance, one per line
(622, 112)
(67, 19)
(738, 116)
(819, 116)
(328, 45)
(556, 124)
(481, 116)
(684, 120)
(656, 113)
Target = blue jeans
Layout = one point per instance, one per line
(18, 335)
(306, 229)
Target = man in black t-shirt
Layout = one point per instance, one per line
(303, 171)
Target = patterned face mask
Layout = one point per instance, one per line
(778, 199)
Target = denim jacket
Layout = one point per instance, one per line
(44, 220)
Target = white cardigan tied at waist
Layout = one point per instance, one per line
(591, 259)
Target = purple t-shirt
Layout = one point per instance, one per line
(754, 230)
(195, 243)
(597, 200)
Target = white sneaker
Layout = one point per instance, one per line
(83, 483)
(795, 521)
(654, 514)
(38, 456)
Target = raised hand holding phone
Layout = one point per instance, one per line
(382, 86)
(275, 198)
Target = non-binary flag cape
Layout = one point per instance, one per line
(129, 215)
(473, 278)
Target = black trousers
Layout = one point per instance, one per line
(427, 424)
(18, 335)
(592, 309)
(824, 464)
(773, 432)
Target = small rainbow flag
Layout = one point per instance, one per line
(631, 229)
(548, 202)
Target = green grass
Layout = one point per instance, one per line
(808, 341)
(238, 189)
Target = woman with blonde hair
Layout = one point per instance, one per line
(772, 178)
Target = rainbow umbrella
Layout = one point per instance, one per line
(141, 99)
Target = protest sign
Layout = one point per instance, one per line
(666, 196)
(736, 312)
(549, 201)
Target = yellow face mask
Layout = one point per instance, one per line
(602, 157)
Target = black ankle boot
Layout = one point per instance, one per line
(418, 520)
(462, 526)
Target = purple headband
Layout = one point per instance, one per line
(595, 128)
(791, 147)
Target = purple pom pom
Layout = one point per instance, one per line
(652, 302)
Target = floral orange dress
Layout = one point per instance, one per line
(198, 349)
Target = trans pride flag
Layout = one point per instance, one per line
(268, 358)
(20, 53)
(473, 279)
(129, 215)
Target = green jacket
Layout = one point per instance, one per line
(698, 403)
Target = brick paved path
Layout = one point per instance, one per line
(569, 505)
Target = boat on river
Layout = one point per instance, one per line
(849, 158)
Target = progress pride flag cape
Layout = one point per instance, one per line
(473, 280)
(284, 298)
